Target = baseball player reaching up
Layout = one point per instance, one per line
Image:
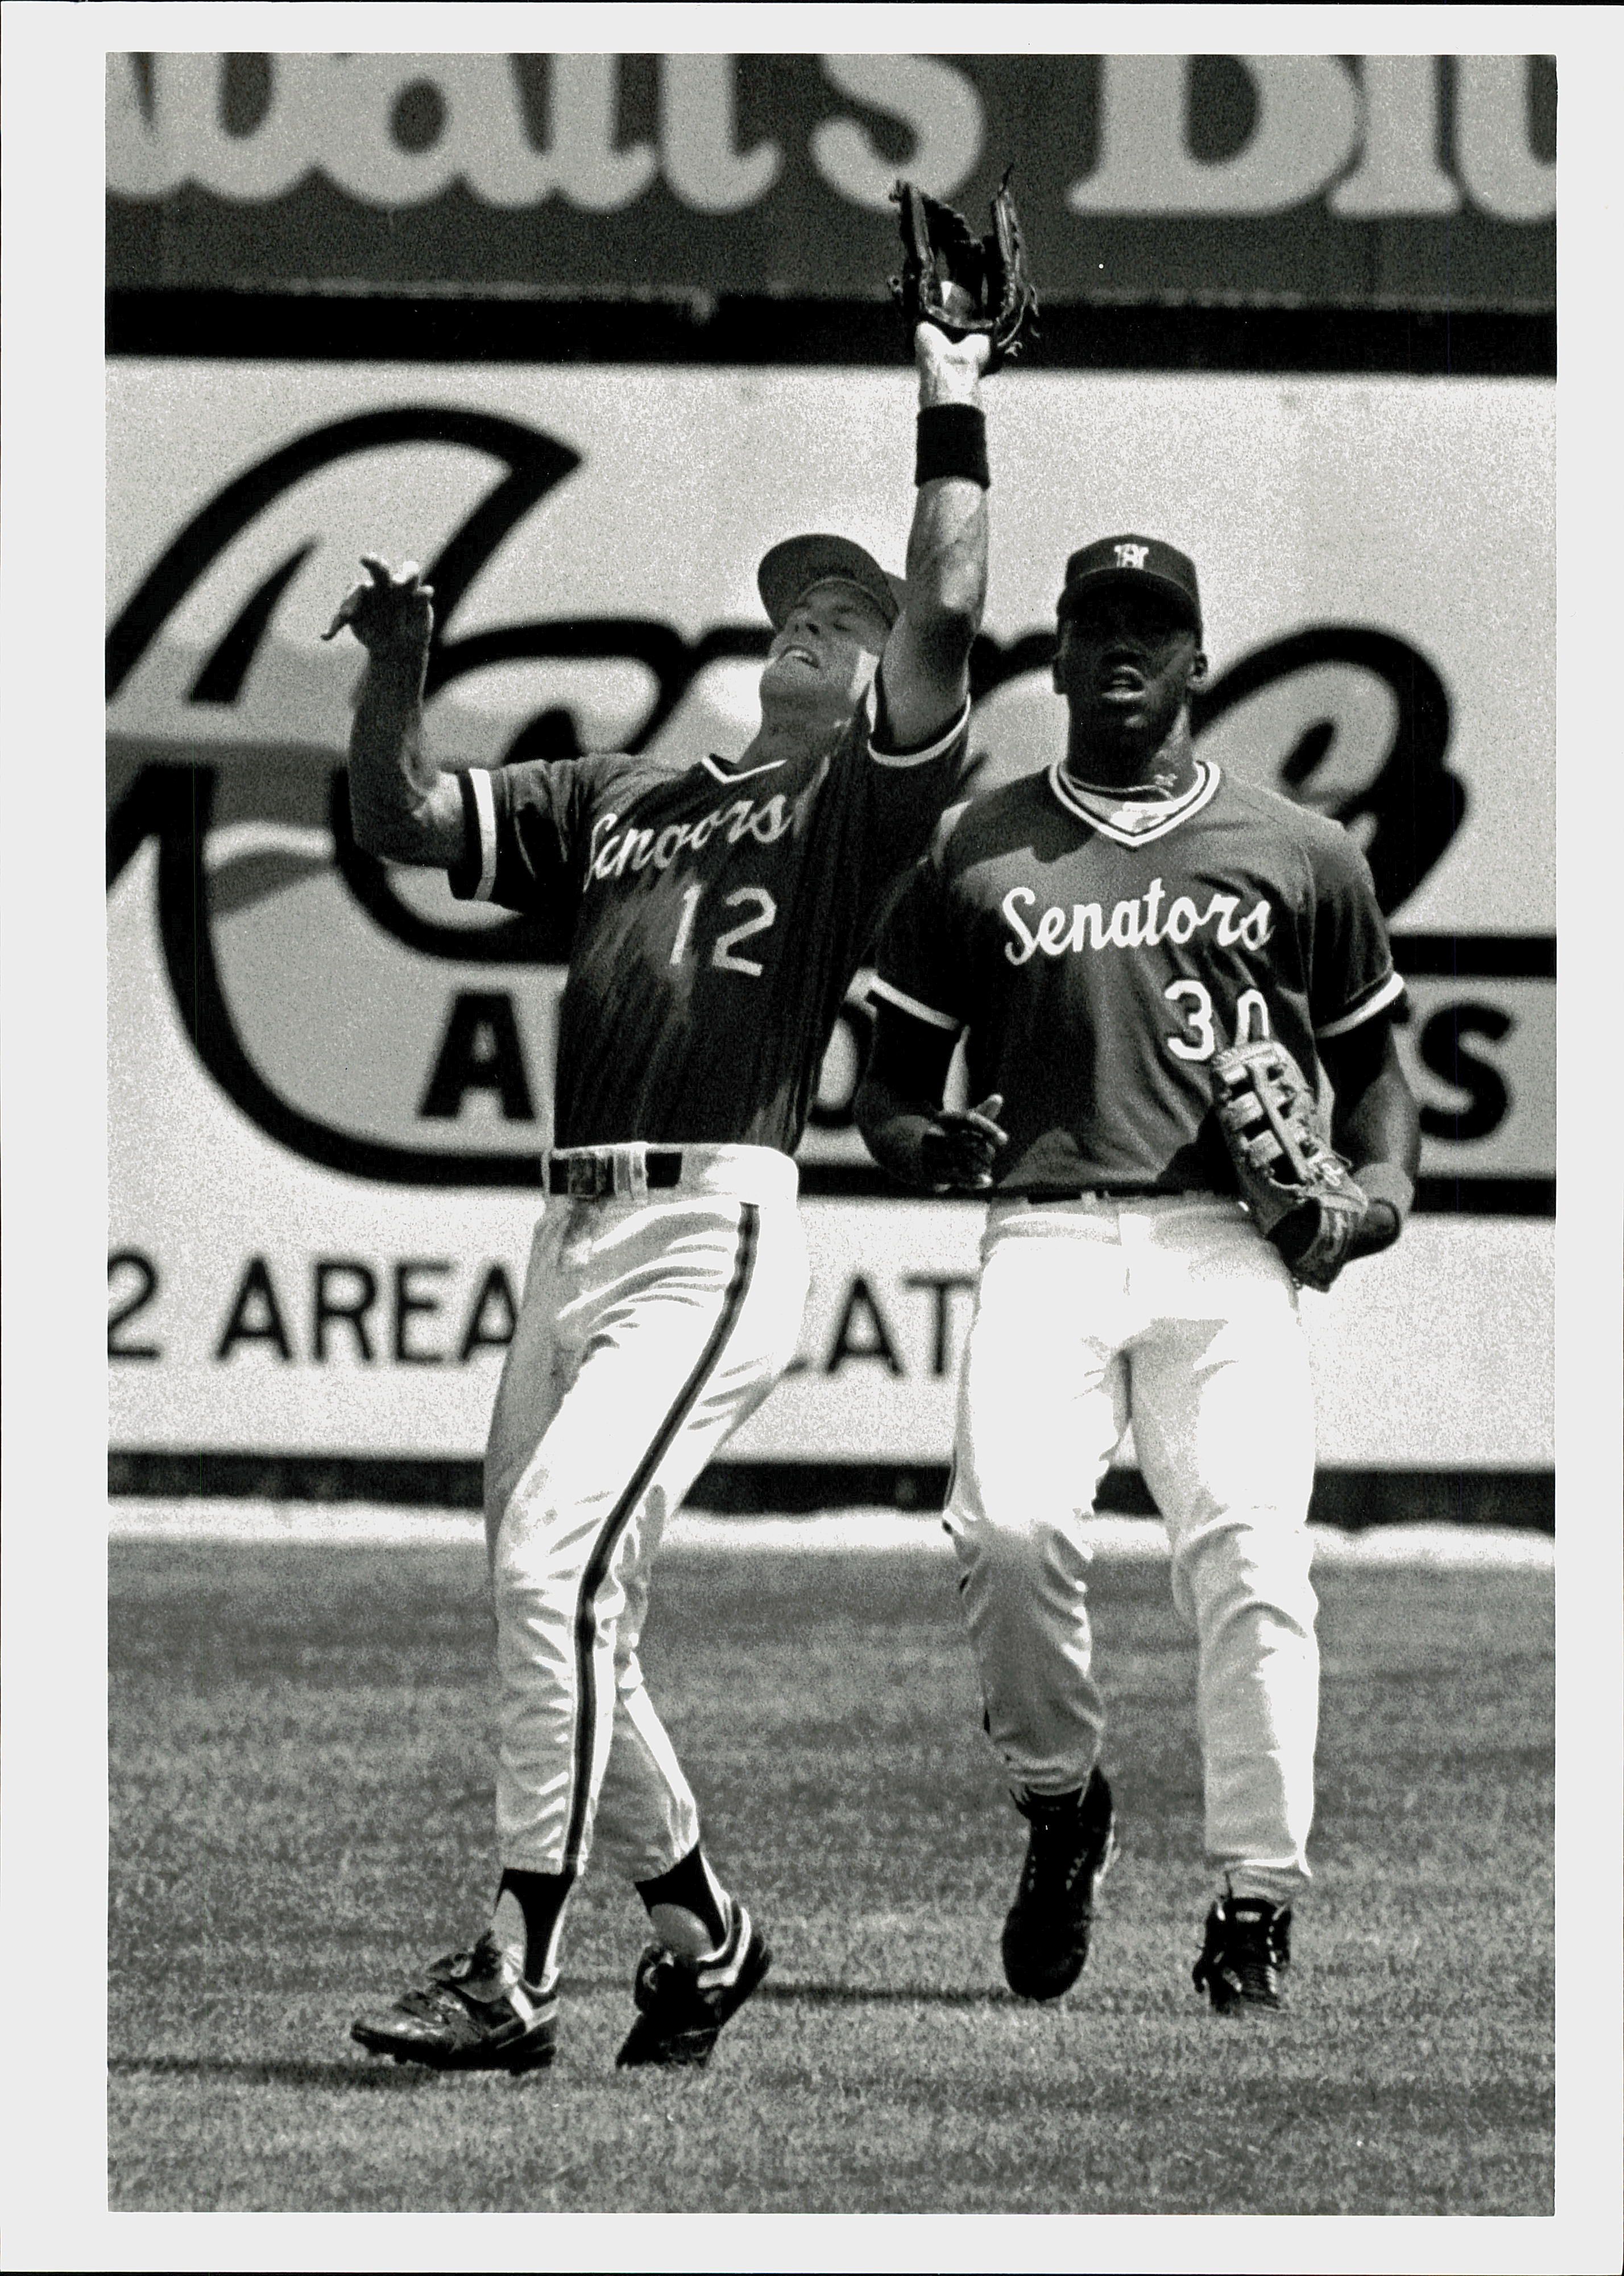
(1102, 933)
(718, 915)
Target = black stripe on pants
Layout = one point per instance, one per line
(615, 1523)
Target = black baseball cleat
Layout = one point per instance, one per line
(682, 2004)
(1069, 1851)
(1248, 1950)
(475, 2011)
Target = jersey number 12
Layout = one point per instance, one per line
(724, 952)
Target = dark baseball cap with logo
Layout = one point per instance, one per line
(1114, 561)
(797, 564)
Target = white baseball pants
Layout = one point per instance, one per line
(1175, 1313)
(651, 1324)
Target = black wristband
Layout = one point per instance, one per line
(953, 440)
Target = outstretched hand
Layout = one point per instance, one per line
(390, 611)
(957, 1150)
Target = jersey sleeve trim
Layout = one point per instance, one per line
(912, 1006)
(934, 750)
(737, 774)
(473, 873)
(484, 799)
(1387, 991)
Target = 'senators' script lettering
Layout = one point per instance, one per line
(1138, 924)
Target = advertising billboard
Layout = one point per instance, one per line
(1360, 181)
(331, 1084)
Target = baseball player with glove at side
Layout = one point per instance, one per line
(716, 915)
(1155, 965)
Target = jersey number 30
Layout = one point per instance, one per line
(1196, 1003)
(723, 953)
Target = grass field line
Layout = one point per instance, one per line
(133, 1518)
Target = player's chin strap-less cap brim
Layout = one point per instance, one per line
(1125, 563)
(794, 567)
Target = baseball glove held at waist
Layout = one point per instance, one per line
(1298, 1190)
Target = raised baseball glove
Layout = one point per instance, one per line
(961, 283)
(1299, 1191)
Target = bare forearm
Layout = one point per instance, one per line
(947, 542)
(403, 806)
(1376, 1124)
(947, 566)
(926, 671)
(900, 1110)
(893, 1129)
(1382, 1125)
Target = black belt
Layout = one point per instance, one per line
(591, 1177)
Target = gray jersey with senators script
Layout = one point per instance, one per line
(1099, 968)
(718, 914)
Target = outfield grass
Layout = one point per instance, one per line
(301, 1805)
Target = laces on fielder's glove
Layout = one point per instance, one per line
(961, 283)
(1298, 1190)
